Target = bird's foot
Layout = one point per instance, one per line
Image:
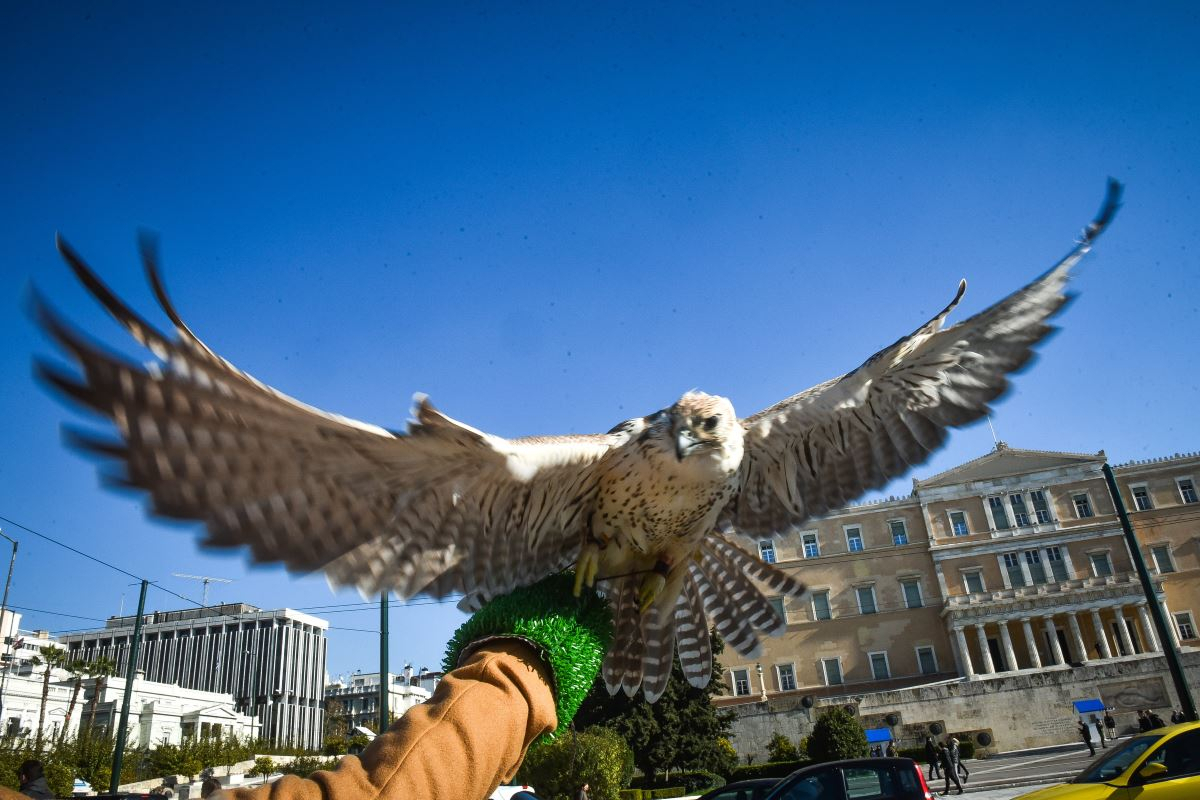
(652, 587)
(586, 567)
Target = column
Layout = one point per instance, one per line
(1077, 637)
(1035, 660)
(1066, 555)
(1150, 636)
(1101, 636)
(966, 654)
(1170, 624)
(1025, 573)
(985, 653)
(1056, 653)
(1123, 631)
(1006, 643)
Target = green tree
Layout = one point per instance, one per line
(100, 669)
(263, 765)
(837, 734)
(598, 757)
(53, 658)
(77, 669)
(681, 731)
(780, 748)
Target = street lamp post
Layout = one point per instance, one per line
(5, 638)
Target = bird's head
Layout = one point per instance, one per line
(704, 423)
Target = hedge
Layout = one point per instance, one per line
(771, 769)
(697, 782)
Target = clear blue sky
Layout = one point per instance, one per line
(554, 218)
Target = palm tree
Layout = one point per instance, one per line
(77, 669)
(52, 657)
(99, 669)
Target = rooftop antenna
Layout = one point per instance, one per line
(205, 579)
(995, 439)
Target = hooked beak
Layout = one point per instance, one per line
(685, 440)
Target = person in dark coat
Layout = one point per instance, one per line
(1085, 733)
(1095, 723)
(1110, 723)
(582, 794)
(33, 780)
(948, 767)
(891, 750)
(1143, 720)
(1156, 721)
(931, 755)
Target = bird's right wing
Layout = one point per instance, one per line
(443, 508)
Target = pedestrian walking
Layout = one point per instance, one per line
(582, 794)
(959, 767)
(1143, 719)
(1110, 723)
(1156, 721)
(948, 768)
(931, 755)
(891, 750)
(1085, 733)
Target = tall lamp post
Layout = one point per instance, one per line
(5, 638)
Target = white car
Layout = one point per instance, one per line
(507, 792)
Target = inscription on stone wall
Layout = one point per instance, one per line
(1047, 727)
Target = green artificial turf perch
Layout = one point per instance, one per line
(573, 634)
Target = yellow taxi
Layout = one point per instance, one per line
(1162, 764)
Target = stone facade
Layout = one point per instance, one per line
(1001, 572)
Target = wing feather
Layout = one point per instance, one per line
(442, 508)
(828, 445)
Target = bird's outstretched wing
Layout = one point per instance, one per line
(440, 509)
(824, 447)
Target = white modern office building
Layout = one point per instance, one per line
(354, 700)
(271, 662)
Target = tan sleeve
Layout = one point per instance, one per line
(459, 745)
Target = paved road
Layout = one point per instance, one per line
(1009, 775)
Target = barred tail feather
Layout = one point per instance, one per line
(775, 579)
(691, 636)
(749, 601)
(623, 664)
(658, 638)
(725, 614)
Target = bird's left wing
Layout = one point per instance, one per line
(443, 508)
(824, 447)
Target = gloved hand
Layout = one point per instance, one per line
(572, 635)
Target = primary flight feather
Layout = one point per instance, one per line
(650, 512)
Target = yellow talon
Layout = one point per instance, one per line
(586, 567)
(652, 587)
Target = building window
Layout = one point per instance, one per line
(1187, 490)
(1083, 506)
(1183, 621)
(741, 682)
(787, 677)
(1141, 498)
(866, 599)
(899, 533)
(1058, 565)
(766, 549)
(777, 604)
(1162, 558)
(1041, 508)
(958, 523)
(832, 668)
(879, 666)
(974, 581)
(854, 540)
(927, 660)
(912, 594)
(999, 515)
(1101, 566)
(1037, 571)
(1020, 513)
(820, 603)
(1012, 566)
(811, 548)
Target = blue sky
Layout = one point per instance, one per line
(554, 217)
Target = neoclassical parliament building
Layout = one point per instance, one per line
(1012, 562)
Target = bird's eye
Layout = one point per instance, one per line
(711, 422)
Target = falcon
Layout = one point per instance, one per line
(653, 513)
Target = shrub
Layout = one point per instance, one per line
(263, 765)
(663, 794)
(598, 757)
(303, 766)
(836, 735)
(630, 794)
(780, 748)
(698, 782)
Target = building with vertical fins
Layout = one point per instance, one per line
(272, 662)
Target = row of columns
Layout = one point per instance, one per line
(1056, 655)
